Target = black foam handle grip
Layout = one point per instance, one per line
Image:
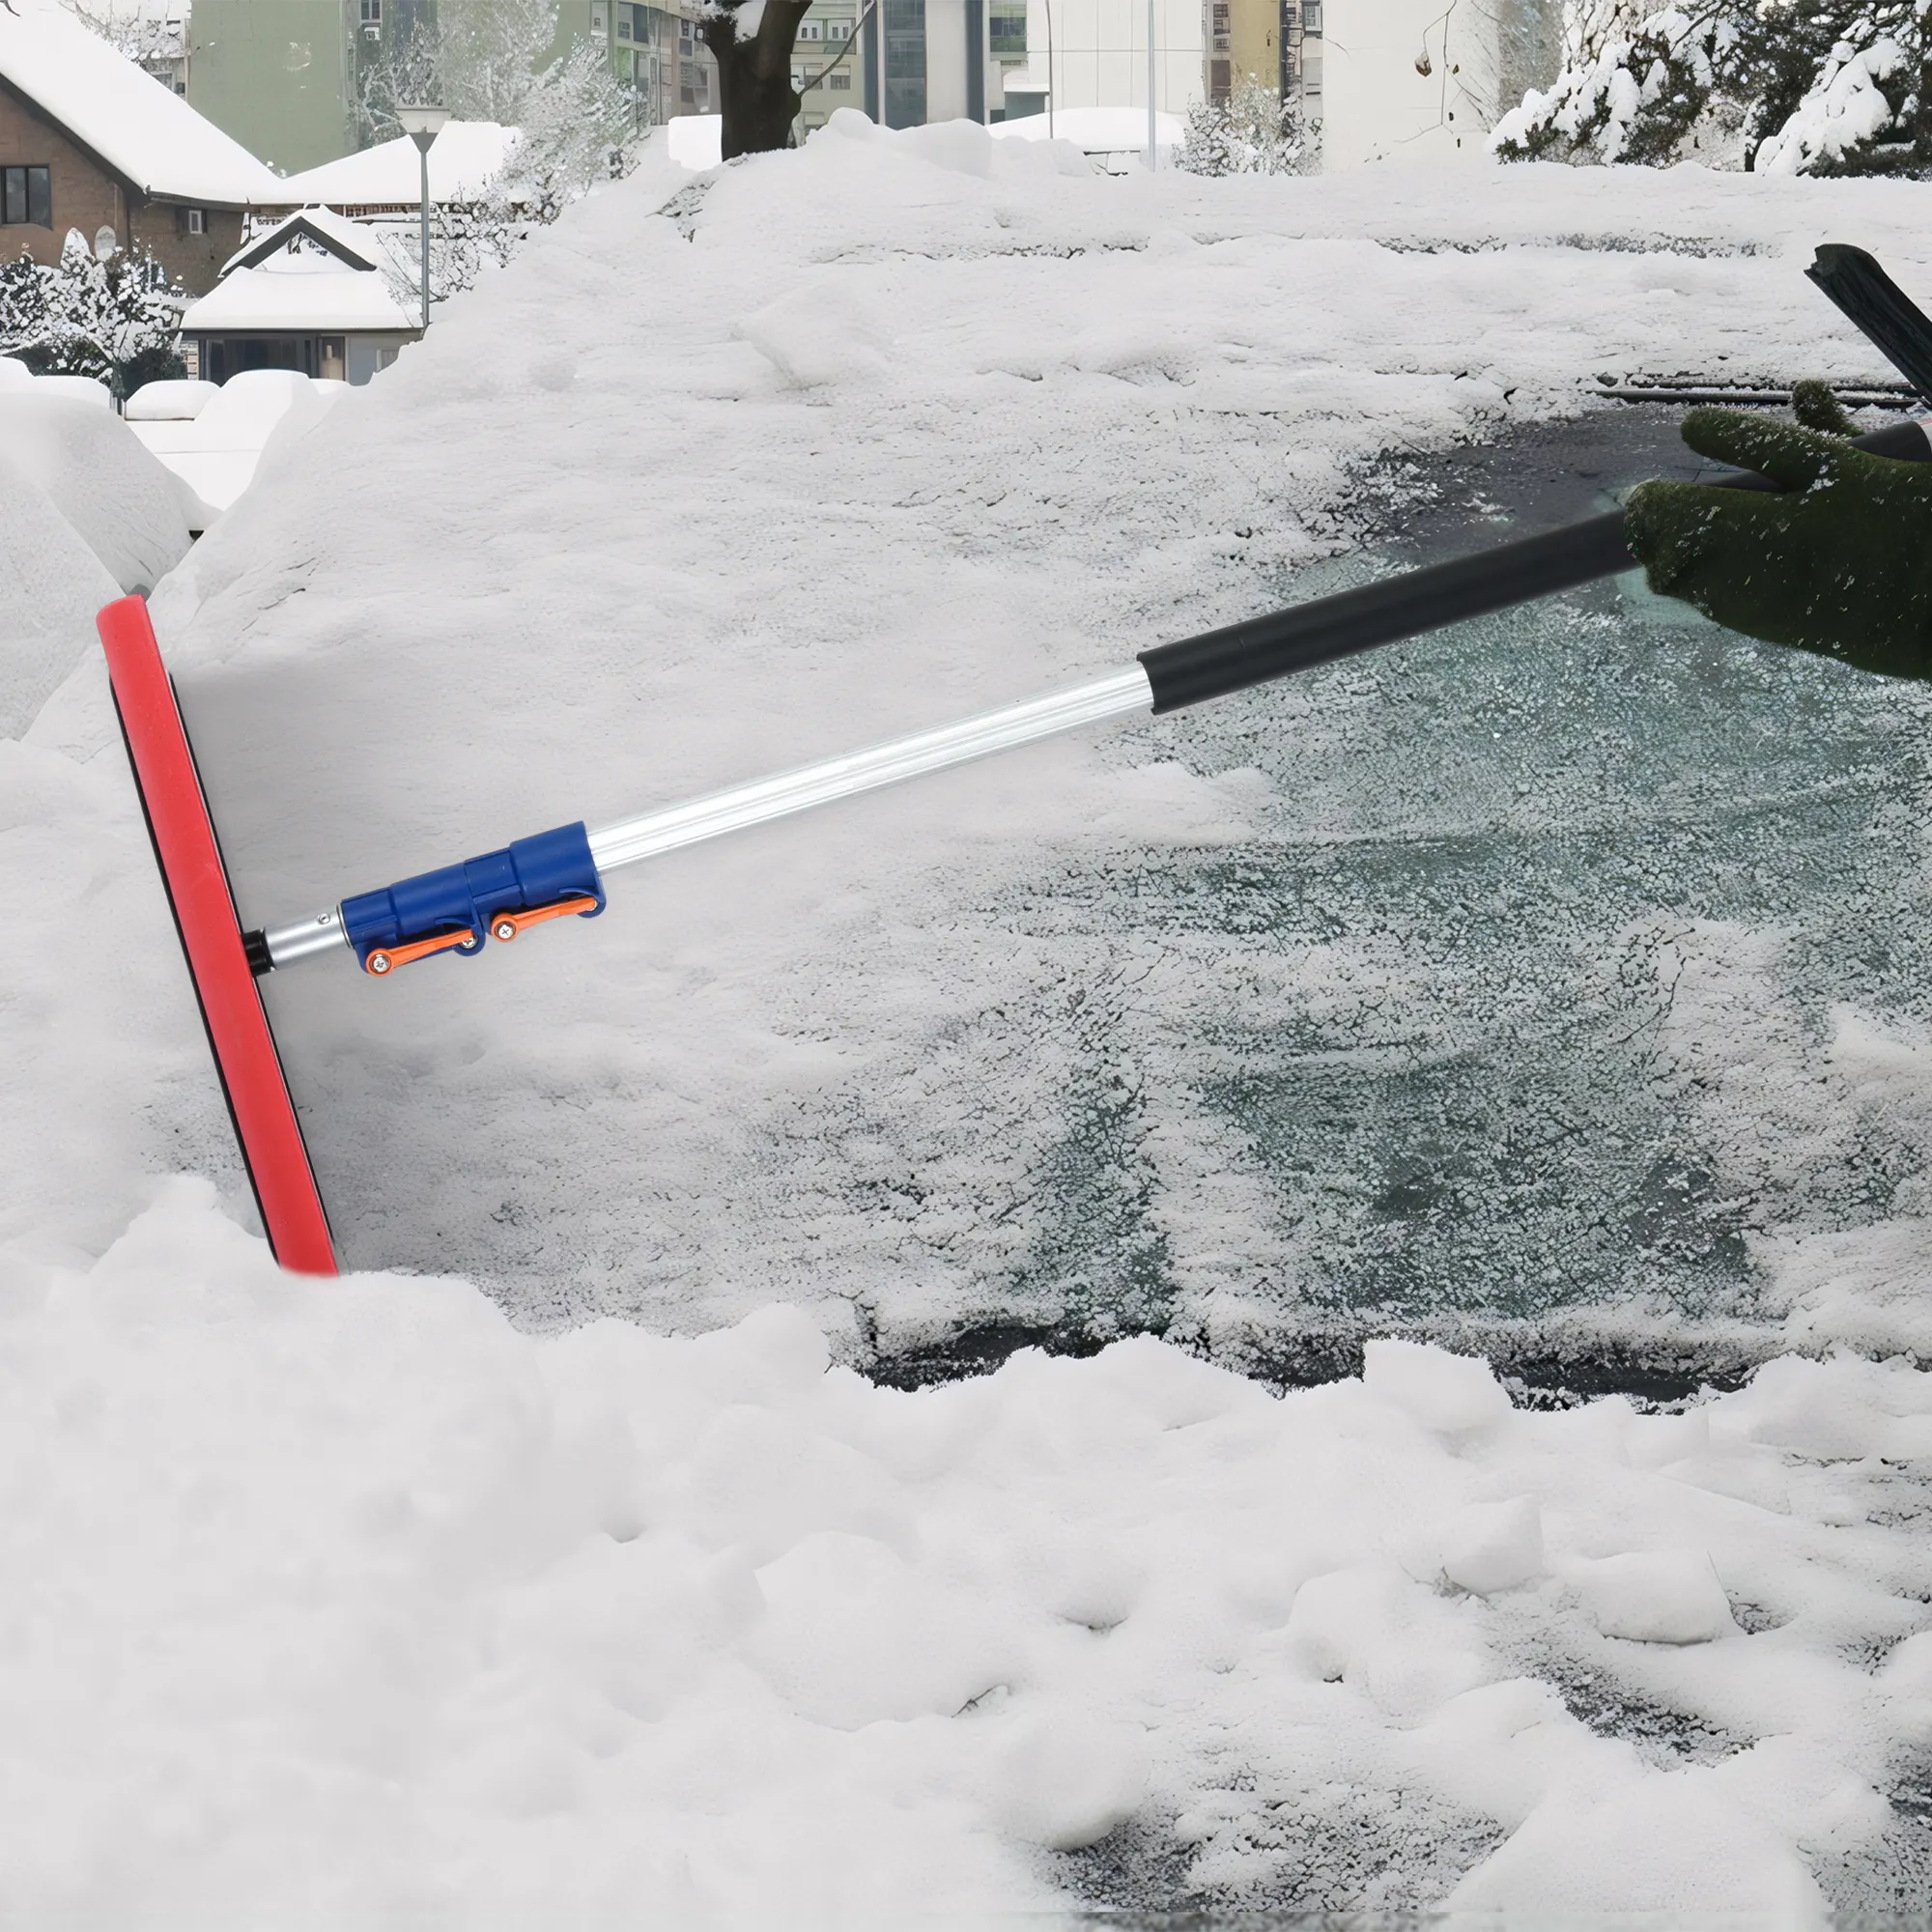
(1318, 633)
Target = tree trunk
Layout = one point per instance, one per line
(754, 87)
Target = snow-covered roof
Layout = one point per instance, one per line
(1095, 130)
(350, 240)
(463, 159)
(322, 294)
(143, 130)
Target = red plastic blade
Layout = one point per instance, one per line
(210, 936)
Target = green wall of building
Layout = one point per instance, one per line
(274, 74)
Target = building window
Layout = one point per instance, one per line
(634, 24)
(838, 30)
(197, 221)
(811, 30)
(1310, 16)
(1006, 30)
(838, 80)
(26, 198)
(1220, 80)
(600, 18)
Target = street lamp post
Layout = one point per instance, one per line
(1153, 150)
(422, 125)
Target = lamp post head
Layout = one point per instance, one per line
(422, 124)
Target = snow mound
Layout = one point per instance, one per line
(172, 401)
(402, 1608)
(86, 389)
(127, 508)
(51, 584)
(219, 447)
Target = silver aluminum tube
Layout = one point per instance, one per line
(732, 810)
(665, 830)
(319, 933)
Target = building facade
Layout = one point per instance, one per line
(90, 142)
(1272, 43)
(826, 66)
(655, 48)
(284, 76)
(1386, 79)
(1094, 53)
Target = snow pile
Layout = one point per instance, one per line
(215, 445)
(346, 1597)
(85, 514)
(169, 401)
(127, 508)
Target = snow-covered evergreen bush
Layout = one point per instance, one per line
(1784, 86)
(116, 321)
(1252, 133)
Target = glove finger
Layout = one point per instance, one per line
(1814, 406)
(1793, 458)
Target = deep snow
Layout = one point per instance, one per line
(363, 1595)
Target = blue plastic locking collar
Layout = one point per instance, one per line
(530, 872)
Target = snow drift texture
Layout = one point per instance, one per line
(362, 1596)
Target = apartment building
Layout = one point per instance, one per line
(1275, 44)
(1094, 53)
(656, 48)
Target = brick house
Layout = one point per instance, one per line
(88, 141)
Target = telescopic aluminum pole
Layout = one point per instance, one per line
(561, 872)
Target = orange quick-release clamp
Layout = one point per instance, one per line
(504, 927)
(386, 958)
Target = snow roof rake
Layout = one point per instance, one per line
(559, 873)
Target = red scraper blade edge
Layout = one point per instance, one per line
(210, 937)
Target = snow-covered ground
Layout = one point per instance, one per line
(373, 1594)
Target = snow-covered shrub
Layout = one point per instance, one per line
(1633, 98)
(1785, 86)
(1252, 133)
(116, 321)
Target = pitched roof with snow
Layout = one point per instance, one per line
(146, 133)
(349, 242)
(462, 160)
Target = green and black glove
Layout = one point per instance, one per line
(1840, 564)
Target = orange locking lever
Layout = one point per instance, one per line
(386, 958)
(505, 926)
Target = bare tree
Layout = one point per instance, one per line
(151, 33)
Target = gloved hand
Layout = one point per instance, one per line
(1840, 564)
